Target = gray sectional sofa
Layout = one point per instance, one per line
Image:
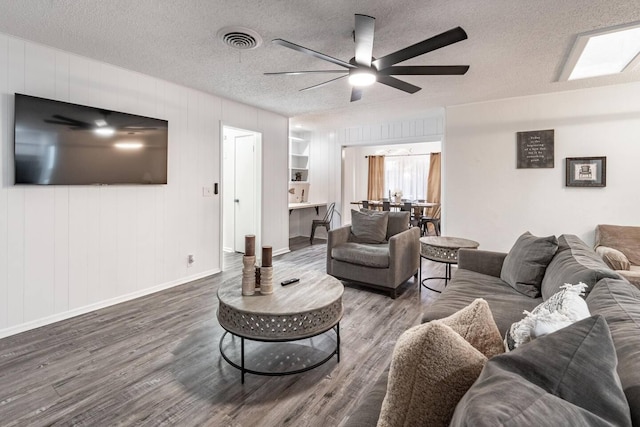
(478, 276)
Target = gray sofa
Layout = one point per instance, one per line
(384, 265)
(478, 276)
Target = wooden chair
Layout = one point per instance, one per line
(324, 222)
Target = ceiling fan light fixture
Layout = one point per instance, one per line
(362, 77)
(104, 131)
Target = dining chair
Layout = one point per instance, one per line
(324, 222)
(433, 219)
(386, 206)
(365, 204)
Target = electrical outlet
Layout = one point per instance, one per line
(207, 191)
(190, 260)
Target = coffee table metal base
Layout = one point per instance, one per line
(244, 370)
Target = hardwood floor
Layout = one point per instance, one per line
(155, 361)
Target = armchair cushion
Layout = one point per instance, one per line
(398, 222)
(368, 227)
(624, 238)
(613, 258)
(362, 254)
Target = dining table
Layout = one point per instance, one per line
(377, 204)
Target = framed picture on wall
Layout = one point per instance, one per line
(535, 149)
(586, 172)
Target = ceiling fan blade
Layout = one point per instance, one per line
(70, 120)
(322, 84)
(294, 73)
(425, 70)
(356, 94)
(398, 84)
(313, 53)
(436, 42)
(363, 36)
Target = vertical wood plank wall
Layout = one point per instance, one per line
(65, 250)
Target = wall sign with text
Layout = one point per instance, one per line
(535, 149)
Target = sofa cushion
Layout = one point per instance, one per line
(506, 303)
(368, 227)
(619, 303)
(563, 308)
(574, 262)
(475, 324)
(362, 254)
(632, 275)
(565, 378)
(526, 262)
(431, 369)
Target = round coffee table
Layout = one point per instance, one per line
(445, 250)
(294, 312)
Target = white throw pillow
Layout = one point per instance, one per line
(565, 307)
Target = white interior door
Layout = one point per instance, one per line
(245, 189)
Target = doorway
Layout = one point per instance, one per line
(241, 188)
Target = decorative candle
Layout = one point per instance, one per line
(249, 245)
(267, 252)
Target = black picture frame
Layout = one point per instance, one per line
(535, 149)
(586, 172)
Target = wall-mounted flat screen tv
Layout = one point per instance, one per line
(58, 143)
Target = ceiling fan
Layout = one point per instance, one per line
(100, 126)
(364, 69)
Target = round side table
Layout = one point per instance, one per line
(445, 250)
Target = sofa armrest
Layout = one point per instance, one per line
(480, 261)
(404, 253)
(615, 259)
(336, 237)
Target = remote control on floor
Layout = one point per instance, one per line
(289, 281)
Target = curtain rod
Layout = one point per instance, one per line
(400, 155)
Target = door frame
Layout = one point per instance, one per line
(258, 187)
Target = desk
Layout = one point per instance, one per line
(305, 205)
(445, 250)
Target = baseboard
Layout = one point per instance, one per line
(23, 327)
(281, 251)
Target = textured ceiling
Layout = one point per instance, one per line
(515, 47)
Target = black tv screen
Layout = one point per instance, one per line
(58, 143)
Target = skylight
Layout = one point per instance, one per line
(604, 52)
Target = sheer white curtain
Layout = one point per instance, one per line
(407, 174)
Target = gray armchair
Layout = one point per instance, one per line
(384, 265)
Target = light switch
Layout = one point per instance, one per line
(207, 191)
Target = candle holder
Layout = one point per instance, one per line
(266, 280)
(248, 275)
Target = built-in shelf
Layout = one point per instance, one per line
(298, 158)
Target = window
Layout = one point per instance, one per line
(407, 174)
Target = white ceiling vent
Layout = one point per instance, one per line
(240, 37)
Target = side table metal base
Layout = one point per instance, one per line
(243, 369)
(446, 278)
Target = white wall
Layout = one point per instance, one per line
(65, 250)
(487, 199)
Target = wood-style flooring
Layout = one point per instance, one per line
(155, 361)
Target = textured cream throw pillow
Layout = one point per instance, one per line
(434, 365)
